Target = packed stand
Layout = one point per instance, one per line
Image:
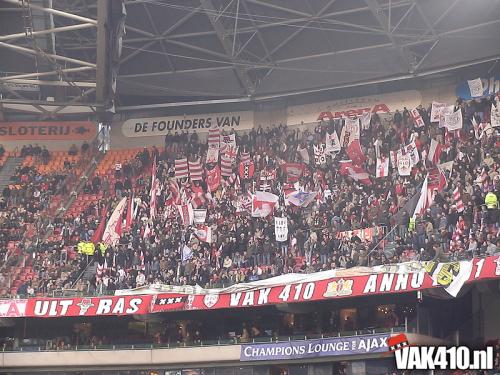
(34, 195)
(462, 221)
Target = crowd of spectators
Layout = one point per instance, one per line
(243, 248)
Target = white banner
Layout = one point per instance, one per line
(212, 155)
(155, 126)
(319, 154)
(366, 117)
(281, 228)
(227, 141)
(404, 164)
(495, 115)
(200, 215)
(436, 111)
(412, 151)
(352, 107)
(350, 132)
(475, 87)
(453, 121)
(448, 110)
(332, 143)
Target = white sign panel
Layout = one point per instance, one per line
(335, 109)
(160, 126)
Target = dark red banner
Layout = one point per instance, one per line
(396, 278)
(94, 306)
(340, 287)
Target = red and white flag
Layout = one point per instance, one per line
(435, 152)
(213, 138)
(357, 173)
(382, 167)
(417, 118)
(153, 193)
(226, 166)
(212, 155)
(112, 232)
(187, 213)
(204, 233)
(350, 131)
(213, 178)
(355, 152)
(458, 200)
(195, 170)
(293, 171)
(130, 214)
(304, 154)
(245, 158)
(181, 168)
(425, 200)
(263, 203)
(227, 141)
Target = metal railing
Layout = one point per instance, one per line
(218, 342)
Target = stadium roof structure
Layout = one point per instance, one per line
(178, 51)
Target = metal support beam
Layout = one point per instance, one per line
(49, 83)
(55, 12)
(241, 73)
(55, 57)
(102, 76)
(45, 74)
(80, 26)
(384, 24)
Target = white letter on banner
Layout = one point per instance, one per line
(371, 284)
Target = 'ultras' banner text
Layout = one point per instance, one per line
(48, 131)
(326, 347)
(445, 278)
(201, 123)
(95, 306)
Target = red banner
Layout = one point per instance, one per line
(339, 287)
(447, 278)
(94, 306)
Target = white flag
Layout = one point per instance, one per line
(495, 115)
(187, 253)
(476, 87)
(212, 155)
(332, 143)
(382, 167)
(319, 154)
(281, 228)
(350, 132)
(199, 216)
(453, 121)
(404, 164)
(366, 117)
(112, 233)
(436, 111)
(444, 112)
(412, 151)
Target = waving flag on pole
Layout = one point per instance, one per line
(435, 152)
(357, 173)
(181, 168)
(382, 167)
(263, 203)
(102, 225)
(130, 214)
(355, 152)
(153, 192)
(113, 227)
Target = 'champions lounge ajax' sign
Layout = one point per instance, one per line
(201, 123)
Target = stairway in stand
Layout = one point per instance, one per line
(8, 170)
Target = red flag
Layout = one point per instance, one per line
(213, 178)
(247, 170)
(130, 214)
(355, 152)
(293, 171)
(153, 192)
(102, 224)
(355, 172)
(434, 152)
(458, 200)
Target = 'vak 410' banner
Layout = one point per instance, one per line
(201, 123)
(446, 278)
